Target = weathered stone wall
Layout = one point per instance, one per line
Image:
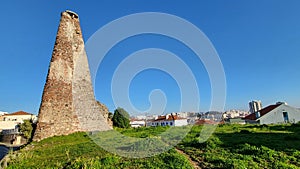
(105, 113)
(68, 103)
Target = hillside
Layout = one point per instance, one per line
(79, 151)
(231, 146)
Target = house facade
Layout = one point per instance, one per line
(9, 122)
(135, 123)
(275, 114)
(168, 120)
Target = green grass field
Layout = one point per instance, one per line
(230, 146)
(246, 146)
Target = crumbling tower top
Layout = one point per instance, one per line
(71, 13)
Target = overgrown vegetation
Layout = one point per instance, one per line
(246, 146)
(230, 146)
(26, 128)
(79, 151)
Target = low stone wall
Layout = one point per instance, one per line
(13, 139)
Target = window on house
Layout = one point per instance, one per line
(257, 114)
(285, 116)
(171, 123)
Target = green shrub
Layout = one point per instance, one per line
(121, 118)
(26, 129)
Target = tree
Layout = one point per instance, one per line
(121, 118)
(26, 128)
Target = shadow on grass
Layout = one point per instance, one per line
(277, 137)
(295, 128)
(276, 141)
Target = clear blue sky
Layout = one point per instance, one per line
(258, 42)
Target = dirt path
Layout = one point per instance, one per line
(194, 163)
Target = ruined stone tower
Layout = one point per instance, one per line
(68, 103)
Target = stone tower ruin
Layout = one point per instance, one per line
(68, 103)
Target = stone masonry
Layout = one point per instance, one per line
(68, 103)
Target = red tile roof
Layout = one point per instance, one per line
(170, 117)
(131, 120)
(160, 118)
(19, 113)
(202, 121)
(262, 112)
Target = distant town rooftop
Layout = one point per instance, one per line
(18, 113)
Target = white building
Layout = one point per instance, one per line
(274, 114)
(187, 115)
(3, 113)
(168, 120)
(141, 117)
(255, 106)
(235, 114)
(137, 123)
(9, 122)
